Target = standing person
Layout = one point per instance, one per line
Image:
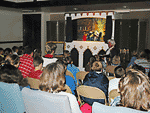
(49, 57)
(96, 78)
(26, 62)
(111, 51)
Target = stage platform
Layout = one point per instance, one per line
(82, 46)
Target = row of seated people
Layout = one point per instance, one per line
(52, 79)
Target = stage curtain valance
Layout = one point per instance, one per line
(99, 14)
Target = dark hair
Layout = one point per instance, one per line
(50, 47)
(135, 90)
(67, 60)
(1, 49)
(138, 67)
(20, 50)
(7, 51)
(37, 61)
(14, 48)
(66, 51)
(27, 50)
(119, 71)
(53, 78)
(96, 66)
(12, 59)
(36, 52)
(10, 74)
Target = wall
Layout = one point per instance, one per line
(11, 27)
(142, 16)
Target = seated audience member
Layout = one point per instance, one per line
(20, 50)
(135, 90)
(15, 50)
(69, 80)
(66, 53)
(141, 60)
(7, 51)
(49, 57)
(71, 67)
(137, 67)
(88, 66)
(38, 64)
(96, 78)
(13, 60)
(53, 81)
(134, 57)
(113, 83)
(36, 52)
(116, 61)
(10, 74)
(1, 52)
(26, 62)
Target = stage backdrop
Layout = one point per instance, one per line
(90, 25)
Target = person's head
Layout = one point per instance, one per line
(15, 49)
(38, 62)
(116, 60)
(28, 50)
(20, 50)
(7, 51)
(119, 71)
(138, 67)
(50, 48)
(92, 59)
(97, 66)
(111, 43)
(36, 52)
(67, 60)
(142, 55)
(1, 51)
(66, 53)
(10, 74)
(135, 90)
(13, 60)
(53, 78)
(134, 53)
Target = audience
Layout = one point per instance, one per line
(113, 83)
(10, 74)
(1, 52)
(7, 51)
(26, 62)
(69, 80)
(135, 90)
(134, 57)
(12, 60)
(38, 66)
(71, 67)
(88, 66)
(53, 81)
(96, 78)
(15, 50)
(49, 57)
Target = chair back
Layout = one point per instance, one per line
(110, 69)
(69, 74)
(81, 75)
(11, 100)
(90, 92)
(100, 108)
(68, 90)
(37, 101)
(34, 83)
(112, 94)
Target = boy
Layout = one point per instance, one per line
(36, 73)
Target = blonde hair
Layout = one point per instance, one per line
(135, 90)
(53, 78)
